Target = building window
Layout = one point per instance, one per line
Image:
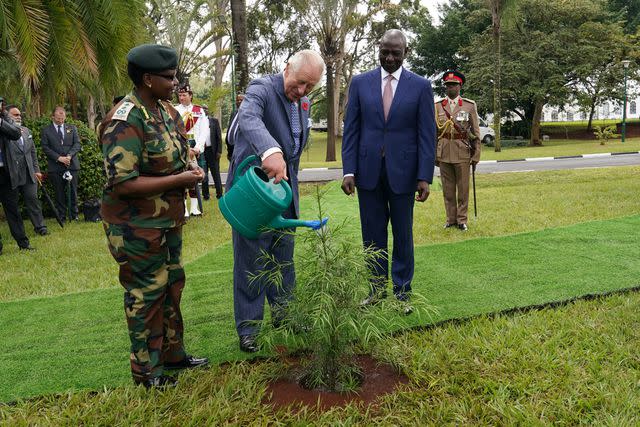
(554, 116)
(632, 107)
(605, 110)
(569, 117)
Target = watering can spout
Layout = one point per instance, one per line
(280, 222)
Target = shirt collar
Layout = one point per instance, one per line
(396, 74)
(455, 100)
(56, 125)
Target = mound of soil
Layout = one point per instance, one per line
(379, 379)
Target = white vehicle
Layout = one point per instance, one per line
(487, 134)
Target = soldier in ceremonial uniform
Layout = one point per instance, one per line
(196, 124)
(146, 161)
(458, 148)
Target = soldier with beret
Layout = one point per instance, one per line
(196, 124)
(146, 161)
(458, 148)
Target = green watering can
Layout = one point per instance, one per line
(254, 203)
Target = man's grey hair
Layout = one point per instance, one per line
(306, 56)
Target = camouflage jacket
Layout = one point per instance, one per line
(135, 143)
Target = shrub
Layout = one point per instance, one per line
(92, 178)
(325, 317)
(605, 133)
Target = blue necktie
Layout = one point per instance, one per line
(21, 142)
(295, 127)
(60, 134)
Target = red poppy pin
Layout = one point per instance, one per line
(305, 106)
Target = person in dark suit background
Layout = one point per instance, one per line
(61, 143)
(25, 171)
(212, 154)
(8, 196)
(233, 126)
(388, 154)
(273, 123)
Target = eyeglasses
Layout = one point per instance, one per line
(165, 76)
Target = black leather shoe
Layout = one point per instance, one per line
(373, 299)
(42, 231)
(447, 225)
(27, 248)
(462, 227)
(161, 382)
(188, 362)
(248, 344)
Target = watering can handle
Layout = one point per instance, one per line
(241, 168)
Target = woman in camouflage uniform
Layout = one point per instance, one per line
(146, 161)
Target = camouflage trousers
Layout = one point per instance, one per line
(151, 273)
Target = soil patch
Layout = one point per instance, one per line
(379, 379)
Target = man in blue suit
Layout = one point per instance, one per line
(273, 123)
(388, 154)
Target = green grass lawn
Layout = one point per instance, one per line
(571, 365)
(540, 237)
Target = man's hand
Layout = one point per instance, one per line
(423, 191)
(65, 160)
(275, 166)
(39, 176)
(194, 152)
(349, 185)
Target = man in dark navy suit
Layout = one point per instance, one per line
(61, 143)
(388, 154)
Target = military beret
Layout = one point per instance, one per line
(153, 57)
(452, 76)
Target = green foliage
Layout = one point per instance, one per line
(92, 178)
(605, 133)
(333, 274)
(60, 47)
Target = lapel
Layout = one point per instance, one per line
(375, 81)
(402, 89)
(278, 81)
(25, 139)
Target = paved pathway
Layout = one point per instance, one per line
(584, 161)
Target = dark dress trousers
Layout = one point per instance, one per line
(54, 147)
(212, 155)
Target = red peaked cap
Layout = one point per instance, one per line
(453, 77)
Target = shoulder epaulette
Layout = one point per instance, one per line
(122, 113)
(469, 100)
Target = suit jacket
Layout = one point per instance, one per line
(8, 131)
(215, 135)
(50, 142)
(22, 159)
(408, 137)
(264, 122)
(454, 147)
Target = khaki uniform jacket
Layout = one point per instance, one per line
(453, 147)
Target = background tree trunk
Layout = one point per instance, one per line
(331, 111)
(91, 112)
(241, 44)
(497, 107)
(535, 125)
